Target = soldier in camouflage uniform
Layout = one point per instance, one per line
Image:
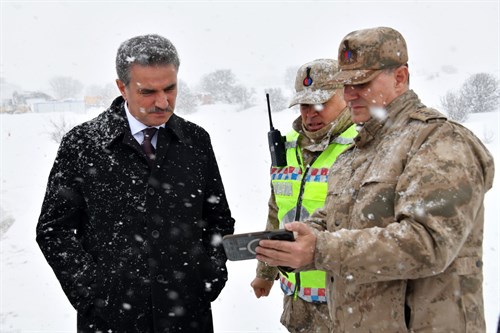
(322, 131)
(400, 235)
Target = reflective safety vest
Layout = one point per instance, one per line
(300, 190)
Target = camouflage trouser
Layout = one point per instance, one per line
(300, 316)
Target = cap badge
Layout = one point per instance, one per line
(308, 80)
(348, 55)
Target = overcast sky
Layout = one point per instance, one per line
(258, 40)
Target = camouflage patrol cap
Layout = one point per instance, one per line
(363, 54)
(314, 82)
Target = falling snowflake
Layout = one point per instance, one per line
(216, 240)
(378, 113)
(213, 199)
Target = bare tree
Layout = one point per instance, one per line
(277, 99)
(6, 221)
(223, 87)
(488, 135)
(480, 93)
(454, 107)
(101, 95)
(65, 87)
(186, 101)
(219, 84)
(59, 128)
(243, 96)
(289, 77)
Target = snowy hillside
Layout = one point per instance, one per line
(31, 298)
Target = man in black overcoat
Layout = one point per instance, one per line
(135, 207)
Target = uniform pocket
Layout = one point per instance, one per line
(375, 199)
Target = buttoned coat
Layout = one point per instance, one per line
(136, 249)
(405, 218)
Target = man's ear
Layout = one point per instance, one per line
(401, 75)
(123, 89)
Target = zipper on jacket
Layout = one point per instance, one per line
(298, 207)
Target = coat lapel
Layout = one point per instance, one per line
(116, 126)
(166, 136)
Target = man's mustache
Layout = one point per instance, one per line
(159, 110)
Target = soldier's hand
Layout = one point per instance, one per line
(261, 287)
(289, 254)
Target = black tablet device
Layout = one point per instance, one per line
(242, 246)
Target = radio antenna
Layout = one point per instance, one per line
(269, 112)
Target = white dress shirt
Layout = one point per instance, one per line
(136, 128)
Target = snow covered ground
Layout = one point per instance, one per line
(31, 298)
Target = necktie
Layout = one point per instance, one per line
(147, 146)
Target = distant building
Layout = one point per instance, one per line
(14, 101)
(94, 101)
(59, 106)
(29, 97)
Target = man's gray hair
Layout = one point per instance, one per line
(147, 50)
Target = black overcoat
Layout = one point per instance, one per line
(136, 249)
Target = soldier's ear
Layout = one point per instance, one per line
(401, 76)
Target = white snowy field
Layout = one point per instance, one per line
(31, 298)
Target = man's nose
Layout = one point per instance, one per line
(311, 111)
(350, 93)
(162, 100)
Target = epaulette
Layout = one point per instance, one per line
(427, 115)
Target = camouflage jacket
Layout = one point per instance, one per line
(405, 218)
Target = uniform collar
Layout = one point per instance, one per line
(398, 107)
(321, 139)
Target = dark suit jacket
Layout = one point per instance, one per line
(135, 249)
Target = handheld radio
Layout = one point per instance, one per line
(276, 142)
